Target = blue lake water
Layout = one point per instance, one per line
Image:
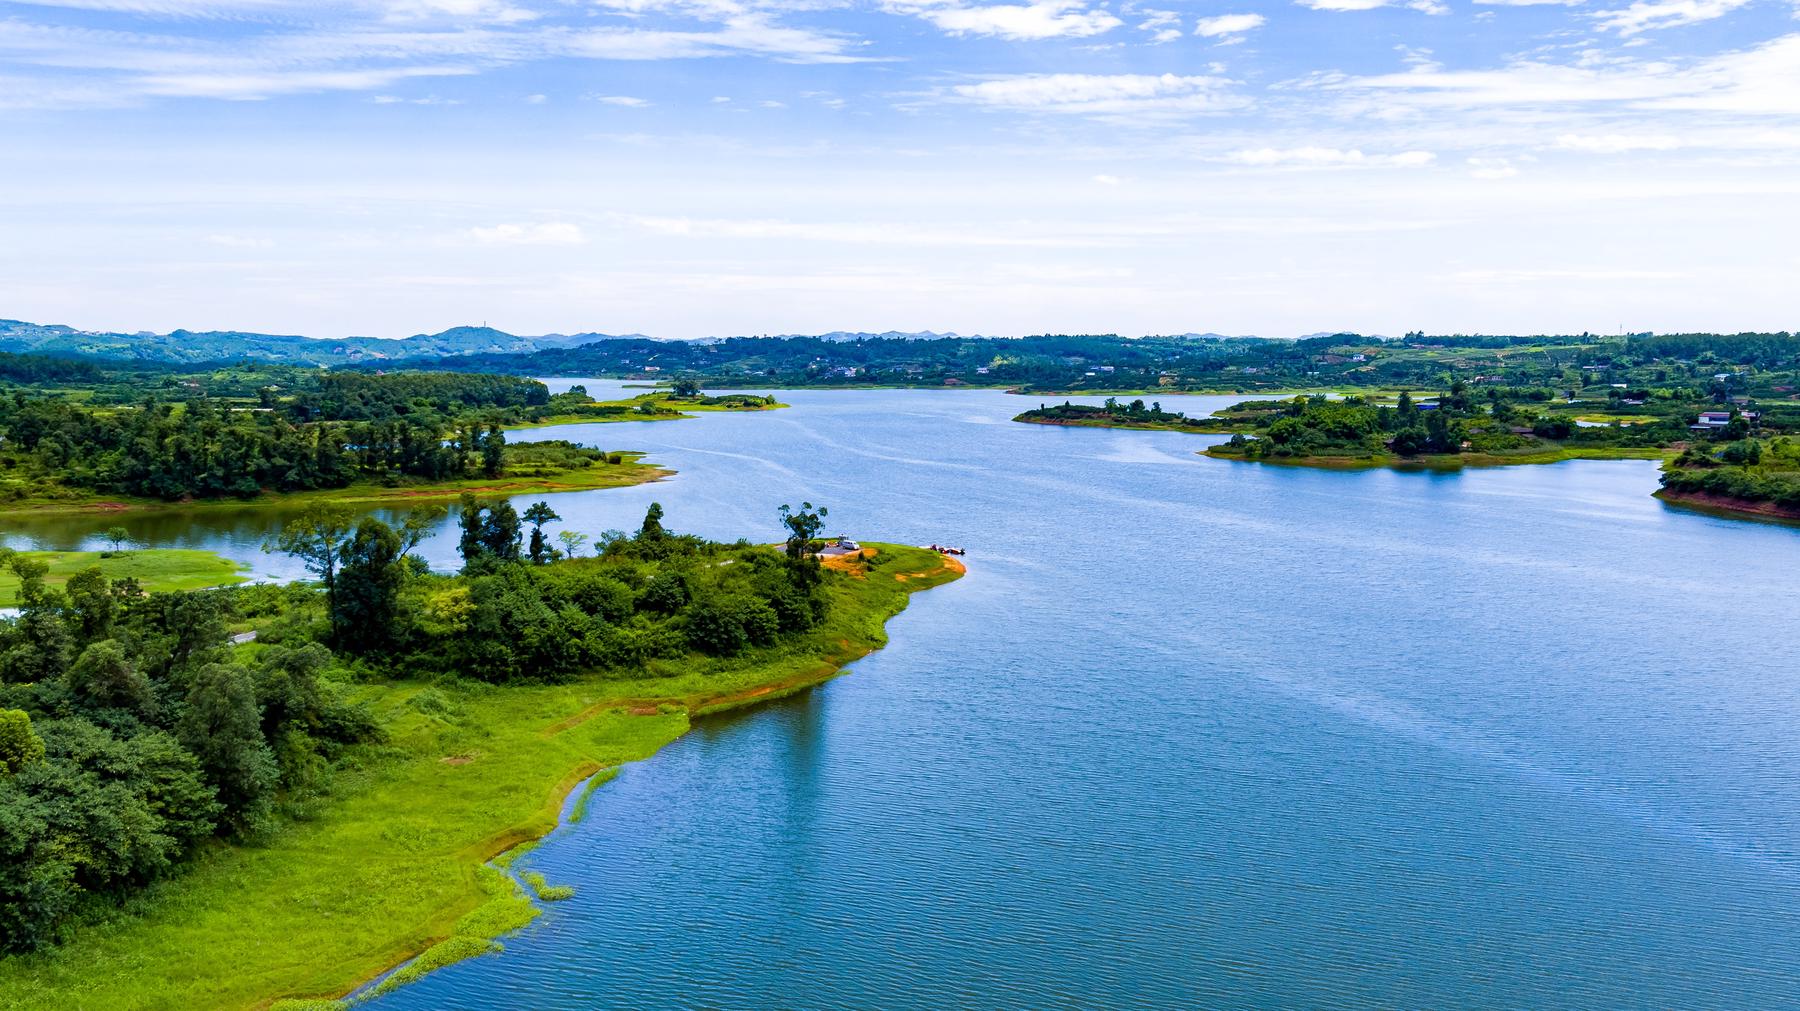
(1198, 733)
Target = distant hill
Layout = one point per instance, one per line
(218, 345)
(843, 336)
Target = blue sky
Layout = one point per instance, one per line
(693, 167)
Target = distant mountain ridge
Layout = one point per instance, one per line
(216, 345)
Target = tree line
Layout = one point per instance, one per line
(133, 731)
(202, 449)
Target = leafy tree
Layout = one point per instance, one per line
(40, 645)
(686, 388)
(222, 727)
(287, 686)
(490, 532)
(537, 515)
(493, 452)
(365, 612)
(804, 526)
(317, 538)
(652, 528)
(19, 744)
(500, 535)
(92, 605)
(416, 526)
(118, 537)
(104, 676)
(572, 542)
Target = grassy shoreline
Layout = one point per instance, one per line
(1205, 428)
(394, 865)
(664, 407)
(156, 570)
(621, 475)
(1444, 461)
(1726, 507)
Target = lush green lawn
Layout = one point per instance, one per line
(393, 864)
(155, 569)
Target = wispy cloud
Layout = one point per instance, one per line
(1647, 15)
(1104, 94)
(1045, 19)
(545, 233)
(1327, 157)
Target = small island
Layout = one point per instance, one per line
(684, 400)
(1739, 461)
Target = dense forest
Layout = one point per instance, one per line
(334, 430)
(133, 731)
(203, 450)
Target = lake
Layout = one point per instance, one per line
(1193, 733)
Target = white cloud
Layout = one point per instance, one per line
(872, 233)
(1617, 143)
(1646, 15)
(628, 101)
(1422, 6)
(536, 99)
(547, 233)
(1326, 157)
(245, 87)
(1106, 180)
(1540, 276)
(1102, 94)
(1492, 168)
(239, 241)
(1045, 19)
(1229, 24)
(1761, 80)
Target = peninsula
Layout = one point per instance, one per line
(388, 735)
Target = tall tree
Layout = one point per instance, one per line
(222, 726)
(365, 614)
(804, 526)
(317, 539)
(493, 452)
(537, 515)
(652, 528)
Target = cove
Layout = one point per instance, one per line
(1199, 734)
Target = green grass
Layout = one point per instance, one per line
(395, 862)
(155, 569)
(595, 782)
(545, 891)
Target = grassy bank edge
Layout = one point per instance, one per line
(156, 569)
(622, 475)
(1445, 461)
(500, 914)
(683, 410)
(1726, 507)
